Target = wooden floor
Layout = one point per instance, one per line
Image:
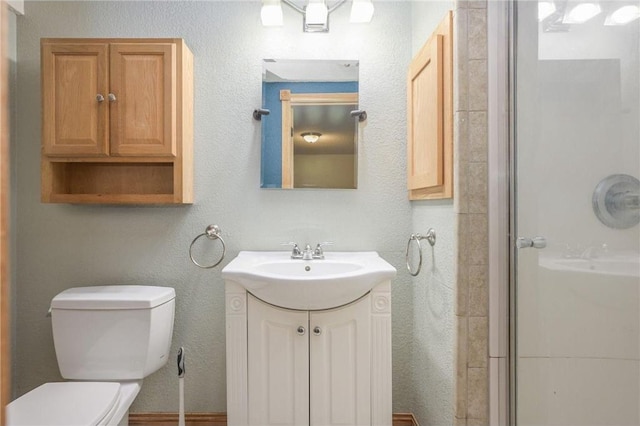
(220, 419)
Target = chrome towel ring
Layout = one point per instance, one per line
(431, 237)
(213, 233)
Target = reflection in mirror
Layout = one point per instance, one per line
(309, 139)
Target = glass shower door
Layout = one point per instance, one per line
(576, 291)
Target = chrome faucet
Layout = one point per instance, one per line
(308, 253)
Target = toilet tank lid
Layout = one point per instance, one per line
(113, 297)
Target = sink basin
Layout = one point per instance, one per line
(338, 279)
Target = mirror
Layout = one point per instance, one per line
(309, 138)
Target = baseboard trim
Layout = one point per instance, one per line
(220, 419)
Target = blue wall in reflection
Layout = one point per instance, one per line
(272, 124)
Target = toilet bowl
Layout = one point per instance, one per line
(107, 338)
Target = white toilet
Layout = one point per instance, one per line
(107, 339)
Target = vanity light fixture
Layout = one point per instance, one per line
(361, 11)
(316, 16)
(271, 13)
(581, 13)
(623, 15)
(315, 13)
(545, 9)
(311, 137)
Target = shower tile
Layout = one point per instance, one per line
(478, 129)
(462, 274)
(477, 33)
(477, 4)
(477, 187)
(460, 422)
(461, 137)
(460, 72)
(478, 291)
(461, 367)
(462, 290)
(477, 393)
(477, 239)
(477, 85)
(461, 189)
(477, 352)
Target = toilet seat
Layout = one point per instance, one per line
(66, 404)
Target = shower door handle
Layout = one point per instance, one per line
(535, 242)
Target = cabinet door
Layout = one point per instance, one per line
(278, 365)
(74, 119)
(143, 114)
(340, 353)
(430, 117)
(425, 142)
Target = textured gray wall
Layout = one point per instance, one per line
(61, 246)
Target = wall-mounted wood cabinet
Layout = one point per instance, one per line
(430, 117)
(117, 121)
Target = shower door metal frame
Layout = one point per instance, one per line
(501, 214)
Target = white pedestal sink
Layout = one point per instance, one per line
(308, 341)
(339, 278)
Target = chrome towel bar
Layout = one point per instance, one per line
(430, 236)
(213, 233)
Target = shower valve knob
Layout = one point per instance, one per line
(535, 242)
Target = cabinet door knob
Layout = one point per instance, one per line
(112, 97)
(99, 98)
(317, 330)
(301, 330)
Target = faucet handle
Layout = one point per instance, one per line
(318, 251)
(295, 251)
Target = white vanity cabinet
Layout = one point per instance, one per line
(317, 368)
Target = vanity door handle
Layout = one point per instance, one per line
(301, 330)
(112, 97)
(99, 98)
(317, 330)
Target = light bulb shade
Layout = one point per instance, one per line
(581, 13)
(316, 13)
(623, 15)
(271, 13)
(545, 9)
(311, 137)
(361, 11)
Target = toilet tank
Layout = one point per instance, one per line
(112, 332)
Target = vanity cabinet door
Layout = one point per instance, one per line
(143, 113)
(74, 91)
(340, 353)
(278, 365)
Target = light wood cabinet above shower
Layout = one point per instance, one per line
(430, 117)
(117, 121)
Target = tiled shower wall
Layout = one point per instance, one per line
(470, 207)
